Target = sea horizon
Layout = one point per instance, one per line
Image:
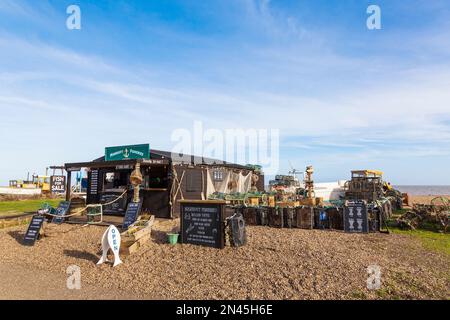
(424, 190)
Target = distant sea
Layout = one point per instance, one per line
(424, 190)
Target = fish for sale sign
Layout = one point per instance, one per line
(58, 184)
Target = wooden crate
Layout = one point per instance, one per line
(286, 204)
(288, 217)
(307, 202)
(137, 234)
(253, 201)
(275, 217)
(336, 218)
(262, 216)
(250, 218)
(271, 201)
(305, 217)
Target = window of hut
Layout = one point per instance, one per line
(218, 175)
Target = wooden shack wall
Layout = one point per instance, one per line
(202, 182)
(157, 203)
(184, 192)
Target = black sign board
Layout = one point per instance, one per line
(93, 186)
(133, 210)
(61, 211)
(33, 230)
(356, 217)
(202, 223)
(115, 206)
(58, 184)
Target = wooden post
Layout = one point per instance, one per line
(68, 187)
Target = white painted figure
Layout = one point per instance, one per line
(111, 240)
(351, 222)
(359, 221)
(358, 211)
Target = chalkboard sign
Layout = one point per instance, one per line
(133, 210)
(117, 207)
(355, 217)
(202, 223)
(58, 184)
(61, 211)
(33, 230)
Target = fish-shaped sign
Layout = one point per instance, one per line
(111, 240)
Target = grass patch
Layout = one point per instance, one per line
(20, 206)
(431, 240)
(428, 234)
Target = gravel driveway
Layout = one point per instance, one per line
(275, 264)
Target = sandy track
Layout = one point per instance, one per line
(276, 264)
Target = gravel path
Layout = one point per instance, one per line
(275, 264)
(24, 283)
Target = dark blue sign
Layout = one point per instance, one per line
(61, 211)
(356, 217)
(133, 210)
(33, 230)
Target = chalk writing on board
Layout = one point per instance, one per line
(133, 210)
(33, 230)
(202, 224)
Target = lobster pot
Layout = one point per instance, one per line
(288, 217)
(275, 217)
(249, 214)
(374, 220)
(294, 218)
(262, 216)
(321, 219)
(336, 218)
(304, 217)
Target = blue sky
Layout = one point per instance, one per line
(342, 96)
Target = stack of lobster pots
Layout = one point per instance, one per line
(303, 217)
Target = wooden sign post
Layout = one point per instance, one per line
(202, 222)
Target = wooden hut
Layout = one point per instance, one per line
(166, 179)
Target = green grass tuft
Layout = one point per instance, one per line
(436, 241)
(21, 206)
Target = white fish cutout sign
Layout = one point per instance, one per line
(111, 240)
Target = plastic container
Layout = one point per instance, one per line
(173, 238)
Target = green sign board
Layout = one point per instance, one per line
(139, 151)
